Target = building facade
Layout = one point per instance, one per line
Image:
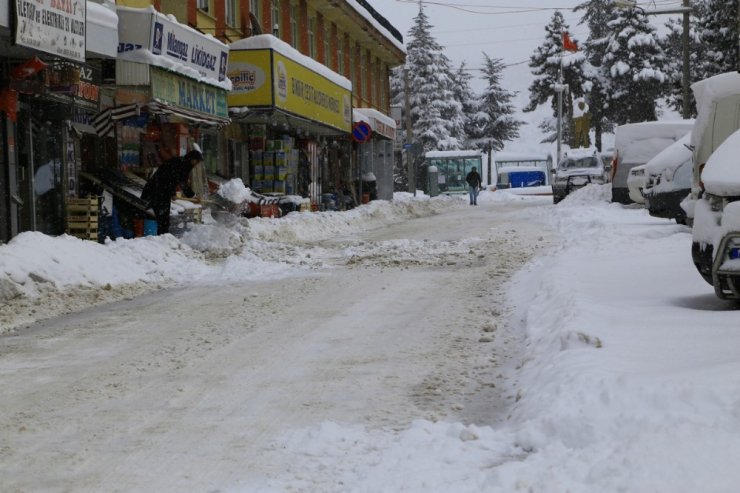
(290, 145)
(53, 60)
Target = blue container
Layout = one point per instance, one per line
(150, 227)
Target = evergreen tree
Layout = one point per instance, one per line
(596, 15)
(547, 63)
(397, 97)
(468, 100)
(634, 63)
(436, 116)
(719, 33)
(494, 123)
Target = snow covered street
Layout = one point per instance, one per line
(414, 346)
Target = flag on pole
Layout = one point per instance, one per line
(569, 44)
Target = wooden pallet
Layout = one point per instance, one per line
(83, 218)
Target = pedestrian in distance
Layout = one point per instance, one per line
(162, 186)
(474, 183)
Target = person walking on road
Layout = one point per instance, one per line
(474, 183)
(162, 185)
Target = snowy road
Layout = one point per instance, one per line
(188, 389)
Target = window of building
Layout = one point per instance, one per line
(254, 8)
(352, 72)
(232, 13)
(275, 16)
(312, 37)
(363, 77)
(203, 5)
(340, 54)
(294, 26)
(327, 47)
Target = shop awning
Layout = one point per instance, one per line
(380, 123)
(275, 116)
(104, 121)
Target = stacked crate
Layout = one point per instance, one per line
(83, 218)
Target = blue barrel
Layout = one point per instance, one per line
(150, 227)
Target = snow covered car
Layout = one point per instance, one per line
(714, 201)
(635, 184)
(576, 170)
(668, 181)
(717, 217)
(637, 143)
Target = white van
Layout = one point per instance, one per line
(637, 143)
(714, 202)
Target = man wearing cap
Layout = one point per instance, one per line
(162, 185)
(474, 182)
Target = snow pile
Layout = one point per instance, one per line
(36, 266)
(235, 191)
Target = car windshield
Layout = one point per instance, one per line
(582, 162)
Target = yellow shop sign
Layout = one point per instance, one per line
(266, 78)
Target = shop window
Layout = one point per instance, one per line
(232, 13)
(209, 145)
(203, 5)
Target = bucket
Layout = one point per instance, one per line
(365, 198)
(138, 228)
(150, 227)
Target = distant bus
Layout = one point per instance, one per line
(452, 167)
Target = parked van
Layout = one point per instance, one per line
(637, 143)
(668, 180)
(714, 202)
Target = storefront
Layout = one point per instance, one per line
(295, 116)
(170, 92)
(375, 152)
(50, 77)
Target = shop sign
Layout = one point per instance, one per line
(302, 91)
(53, 26)
(251, 78)
(144, 29)
(88, 88)
(188, 93)
(287, 85)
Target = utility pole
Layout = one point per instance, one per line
(410, 159)
(560, 88)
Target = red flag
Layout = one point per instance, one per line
(569, 44)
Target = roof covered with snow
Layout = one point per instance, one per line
(671, 157)
(640, 142)
(707, 93)
(270, 42)
(452, 154)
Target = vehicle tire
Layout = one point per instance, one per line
(556, 199)
(703, 259)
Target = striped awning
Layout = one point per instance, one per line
(105, 121)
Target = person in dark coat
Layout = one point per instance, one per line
(474, 182)
(162, 185)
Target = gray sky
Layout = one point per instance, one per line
(507, 29)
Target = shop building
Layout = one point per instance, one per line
(169, 92)
(52, 66)
(350, 40)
